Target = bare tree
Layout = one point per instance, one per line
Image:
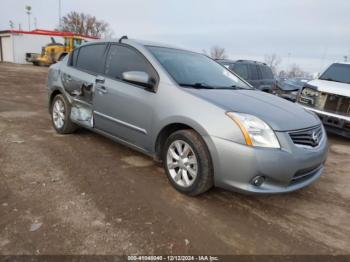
(217, 52)
(273, 61)
(84, 24)
(294, 71)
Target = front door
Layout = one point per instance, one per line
(123, 109)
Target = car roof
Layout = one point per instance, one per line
(135, 42)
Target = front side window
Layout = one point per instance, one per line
(91, 58)
(190, 69)
(241, 70)
(337, 73)
(122, 59)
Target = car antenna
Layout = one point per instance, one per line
(122, 38)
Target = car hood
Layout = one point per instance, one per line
(332, 87)
(279, 113)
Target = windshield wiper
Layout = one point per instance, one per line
(233, 87)
(197, 86)
(204, 86)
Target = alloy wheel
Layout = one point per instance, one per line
(182, 163)
(58, 113)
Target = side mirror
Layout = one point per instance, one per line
(139, 78)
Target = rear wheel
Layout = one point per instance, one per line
(60, 112)
(187, 163)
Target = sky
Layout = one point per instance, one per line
(309, 33)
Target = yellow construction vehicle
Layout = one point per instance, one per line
(53, 52)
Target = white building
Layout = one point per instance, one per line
(14, 44)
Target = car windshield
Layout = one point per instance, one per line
(195, 70)
(337, 73)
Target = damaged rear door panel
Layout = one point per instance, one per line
(79, 80)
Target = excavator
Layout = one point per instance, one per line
(53, 52)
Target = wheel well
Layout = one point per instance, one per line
(164, 134)
(52, 96)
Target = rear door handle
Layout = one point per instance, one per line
(100, 79)
(102, 89)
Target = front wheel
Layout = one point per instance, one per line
(187, 163)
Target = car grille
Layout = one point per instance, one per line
(307, 137)
(337, 104)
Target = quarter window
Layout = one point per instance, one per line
(266, 72)
(122, 59)
(91, 58)
(73, 58)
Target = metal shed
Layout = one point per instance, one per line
(14, 44)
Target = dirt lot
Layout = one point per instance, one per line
(83, 194)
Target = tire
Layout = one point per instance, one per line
(61, 104)
(198, 153)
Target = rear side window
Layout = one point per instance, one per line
(91, 58)
(253, 72)
(266, 72)
(122, 59)
(241, 70)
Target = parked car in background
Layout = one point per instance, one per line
(258, 74)
(329, 97)
(289, 88)
(207, 126)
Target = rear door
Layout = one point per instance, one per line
(84, 65)
(123, 109)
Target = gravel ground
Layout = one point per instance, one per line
(83, 194)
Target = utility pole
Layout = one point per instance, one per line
(60, 14)
(35, 23)
(29, 12)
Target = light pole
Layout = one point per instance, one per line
(60, 14)
(28, 11)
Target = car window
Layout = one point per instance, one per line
(194, 69)
(122, 59)
(266, 72)
(74, 57)
(337, 73)
(253, 72)
(91, 58)
(241, 70)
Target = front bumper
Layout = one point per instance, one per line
(287, 169)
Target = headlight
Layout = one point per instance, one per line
(310, 92)
(255, 131)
